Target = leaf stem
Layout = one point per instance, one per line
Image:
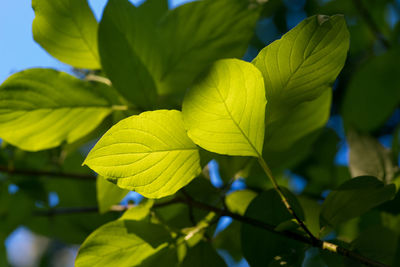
(97, 78)
(284, 199)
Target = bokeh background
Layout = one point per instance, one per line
(18, 51)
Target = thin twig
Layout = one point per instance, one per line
(76, 176)
(372, 26)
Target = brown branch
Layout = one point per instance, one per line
(76, 176)
(372, 26)
(324, 245)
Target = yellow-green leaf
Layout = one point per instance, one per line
(41, 108)
(149, 153)
(238, 201)
(303, 63)
(225, 112)
(67, 29)
(108, 194)
(122, 243)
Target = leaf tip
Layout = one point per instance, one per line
(322, 18)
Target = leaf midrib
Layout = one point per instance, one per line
(237, 125)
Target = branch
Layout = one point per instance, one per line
(285, 200)
(366, 16)
(324, 245)
(76, 176)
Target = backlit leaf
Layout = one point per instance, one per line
(149, 153)
(225, 111)
(108, 194)
(122, 243)
(41, 108)
(139, 211)
(303, 63)
(238, 201)
(67, 29)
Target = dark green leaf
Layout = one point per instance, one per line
(229, 240)
(373, 93)
(353, 198)
(128, 51)
(145, 51)
(198, 33)
(166, 257)
(311, 212)
(369, 157)
(377, 243)
(202, 255)
(261, 247)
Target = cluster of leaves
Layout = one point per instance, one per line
(165, 91)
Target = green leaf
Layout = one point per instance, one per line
(238, 201)
(199, 33)
(127, 47)
(377, 243)
(303, 63)
(68, 228)
(225, 111)
(138, 212)
(147, 50)
(368, 157)
(202, 255)
(166, 257)
(229, 240)
(41, 108)
(312, 211)
(108, 194)
(15, 209)
(353, 198)
(3, 254)
(373, 93)
(308, 117)
(261, 247)
(149, 153)
(122, 243)
(68, 31)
